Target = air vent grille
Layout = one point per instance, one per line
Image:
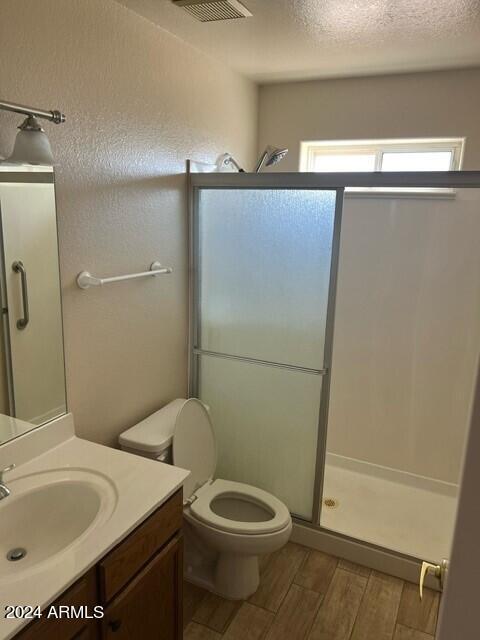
(211, 11)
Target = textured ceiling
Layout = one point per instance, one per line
(298, 39)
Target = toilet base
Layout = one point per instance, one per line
(227, 563)
(236, 577)
(231, 577)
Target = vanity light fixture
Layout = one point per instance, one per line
(31, 144)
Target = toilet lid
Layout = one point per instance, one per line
(194, 445)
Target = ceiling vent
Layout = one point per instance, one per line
(212, 10)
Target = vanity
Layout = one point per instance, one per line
(138, 584)
(101, 534)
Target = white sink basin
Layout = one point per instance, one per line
(48, 513)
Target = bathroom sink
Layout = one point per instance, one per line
(48, 513)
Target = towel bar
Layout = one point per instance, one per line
(86, 280)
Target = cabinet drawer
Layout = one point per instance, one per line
(150, 607)
(81, 593)
(121, 564)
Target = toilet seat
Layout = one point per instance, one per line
(201, 508)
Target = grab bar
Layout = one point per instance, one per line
(18, 267)
(86, 280)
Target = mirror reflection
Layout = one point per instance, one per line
(32, 371)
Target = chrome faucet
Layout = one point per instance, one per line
(4, 490)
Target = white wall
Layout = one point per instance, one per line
(139, 101)
(434, 104)
(407, 332)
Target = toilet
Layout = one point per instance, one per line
(228, 525)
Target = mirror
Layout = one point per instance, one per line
(32, 369)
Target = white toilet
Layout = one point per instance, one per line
(227, 524)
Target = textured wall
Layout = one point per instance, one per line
(442, 103)
(139, 102)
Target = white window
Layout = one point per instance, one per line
(444, 154)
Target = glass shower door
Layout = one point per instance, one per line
(263, 261)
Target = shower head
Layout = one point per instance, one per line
(277, 155)
(269, 157)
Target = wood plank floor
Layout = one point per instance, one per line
(309, 595)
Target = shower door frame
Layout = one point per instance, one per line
(318, 182)
(324, 372)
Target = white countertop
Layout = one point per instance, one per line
(139, 486)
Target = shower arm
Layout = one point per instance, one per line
(232, 160)
(54, 116)
(261, 162)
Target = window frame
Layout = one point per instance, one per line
(310, 150)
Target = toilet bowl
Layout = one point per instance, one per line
(227, 524)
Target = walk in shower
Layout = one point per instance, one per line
(335, 335)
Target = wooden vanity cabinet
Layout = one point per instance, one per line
(139, 584)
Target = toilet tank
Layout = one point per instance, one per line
(152, 437)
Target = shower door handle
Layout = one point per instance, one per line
(438, 570)
(18, 267)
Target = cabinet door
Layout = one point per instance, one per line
(150, 607)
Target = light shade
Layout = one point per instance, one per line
(31, 144)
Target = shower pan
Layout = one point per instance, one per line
(298, 345)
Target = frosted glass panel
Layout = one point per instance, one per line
(264, 269)
(266, 422)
